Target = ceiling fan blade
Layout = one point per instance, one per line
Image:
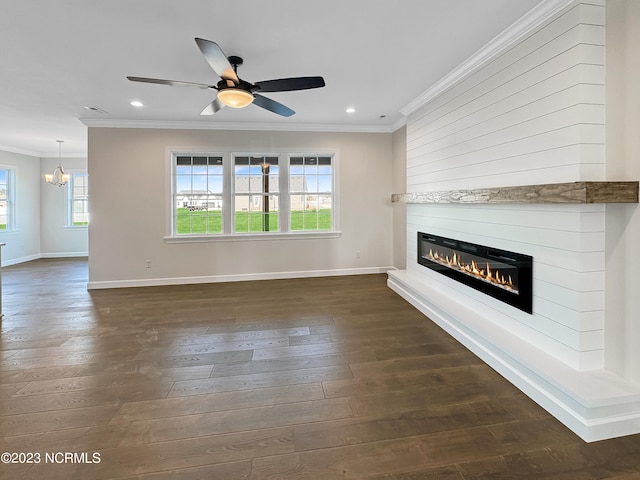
(217, 60)
(173, 83)
(212, 108)
(272, 105)
(288, 84)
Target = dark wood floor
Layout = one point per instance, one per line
(321, 378)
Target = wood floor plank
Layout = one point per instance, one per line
(145, 373)
(204, 348)
(390, 456)
(281, 364)
(247, 336)
(227, 471)
(90, 397)
(430, 419)
(237, 420)
(90, 439)
(405, 381)
(217, 402)
(57, 420)
(415, 363)
(412, 399)
(44, 373)
(251, 381)
(351, 462)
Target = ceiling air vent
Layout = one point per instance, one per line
(95, 109)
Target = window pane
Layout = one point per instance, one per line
(215, 183)
(311, 187)
(215, 221)
(215, 165)
(241, 183)
(199, 221)
(78, 199)
(312, 183)
(310, 221)
(324, 219)
(324, 183)
(5, 199)
(274, 183)
(253, 214)
(256, 184)
(297, 184)
(199, 185)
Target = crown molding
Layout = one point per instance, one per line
(180, 125)
(33, 153)
(20, 151)
(66, 155)
(539, 14)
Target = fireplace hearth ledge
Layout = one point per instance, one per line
(568, 193)
(594, 404)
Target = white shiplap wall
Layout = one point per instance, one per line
(534, 114)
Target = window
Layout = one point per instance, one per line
(256, 194)
(311, 188)
(6, 199)
(78, 199)
(263, 196)
(198, 190)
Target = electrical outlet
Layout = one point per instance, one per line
(148, 263)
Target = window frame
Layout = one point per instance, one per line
(228, 234)
(11, 199)
(251, 196)
(173, 221)
(70, 198)
(334, 201)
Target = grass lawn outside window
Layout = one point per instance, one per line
(201, 222)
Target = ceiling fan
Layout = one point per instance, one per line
(232, 90)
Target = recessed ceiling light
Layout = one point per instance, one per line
(136, 103)
(350, 110)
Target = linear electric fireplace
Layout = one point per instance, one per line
(501, 274)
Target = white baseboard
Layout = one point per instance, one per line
(15, 261)
(64, 255)
(594, 404)
(154, 282)
(29, 258)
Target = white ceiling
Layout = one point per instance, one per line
(56, 57)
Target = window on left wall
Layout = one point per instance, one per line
(7, 220)
(78, 199)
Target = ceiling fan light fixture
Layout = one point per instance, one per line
(235, 97)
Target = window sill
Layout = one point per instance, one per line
(240, 237)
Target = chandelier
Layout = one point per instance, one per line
(58, 177)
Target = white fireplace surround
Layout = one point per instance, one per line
(527, 109)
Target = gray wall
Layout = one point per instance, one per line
(23, 243)
(129, 181)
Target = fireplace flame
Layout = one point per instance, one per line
(473, 269)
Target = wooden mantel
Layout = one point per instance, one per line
(575, 192)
